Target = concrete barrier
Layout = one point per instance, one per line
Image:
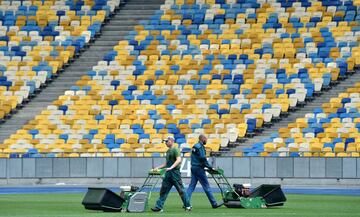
(25, 170)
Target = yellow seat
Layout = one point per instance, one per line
(269, 147)
(339, 147)
(329, 154)
(342, 154)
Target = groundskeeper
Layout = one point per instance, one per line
(198, 165)
(172, 177)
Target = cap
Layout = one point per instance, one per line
(246, 185)
(169, 138)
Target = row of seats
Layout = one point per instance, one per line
(220, 68)
(330, 131)
(37, 38)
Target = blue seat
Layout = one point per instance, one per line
(113, 102)
(99, 117)
(33, 132)
(63, 108)
(159, 126)
(112, 145)
(252, 154)
(294, 154)
(120, 141)
(65, 137)
(251, 125)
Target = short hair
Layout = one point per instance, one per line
(201, 136)
(170, 138)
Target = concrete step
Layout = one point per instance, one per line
(118, 28)
(116, 31)
(110, 40)
(90, 57)
(120, 22)
(130, 11)
(135, 17)
(141, 6)
(68, 78)
(144, 2)
(103, 48)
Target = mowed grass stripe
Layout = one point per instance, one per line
(69, 205)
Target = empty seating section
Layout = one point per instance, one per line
(38, 37)
(332, 130)
(222, 68)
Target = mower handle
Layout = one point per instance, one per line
(157, 172)
(214, 171)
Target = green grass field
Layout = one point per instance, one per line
(69, 205)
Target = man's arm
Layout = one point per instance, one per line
(205, 162)
(175, 164)
(160, 166)
(202, 157)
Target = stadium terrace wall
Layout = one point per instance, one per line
(288, 170)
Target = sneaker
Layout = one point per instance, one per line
(188, 209)
(156, 209)
(217, 205)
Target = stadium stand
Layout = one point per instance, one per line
(37, 38)
(330, 131)
(222, 68)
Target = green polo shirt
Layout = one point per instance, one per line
(171, 156)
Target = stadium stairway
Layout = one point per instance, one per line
(300, 112)
(116, 29)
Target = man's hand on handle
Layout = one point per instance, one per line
(210, 169)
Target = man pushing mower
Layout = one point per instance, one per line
(172, 177)
(198, 165)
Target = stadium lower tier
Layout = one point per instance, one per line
(220, 68)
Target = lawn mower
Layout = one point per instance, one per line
(234, 197)
(131, 198)
(136, 199)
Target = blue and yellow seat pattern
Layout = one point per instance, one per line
(221, 68)
(37, 38)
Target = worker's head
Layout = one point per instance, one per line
(202, 139)
(169, 141)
